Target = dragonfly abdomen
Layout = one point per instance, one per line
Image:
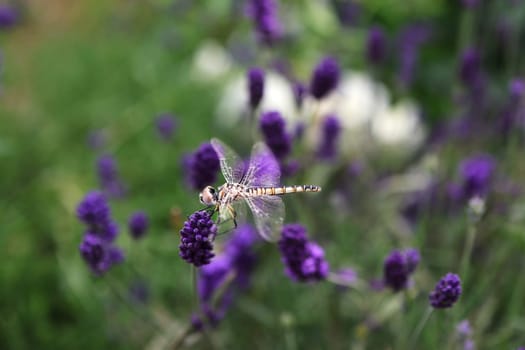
(273, 191)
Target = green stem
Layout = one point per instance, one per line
(467, 250)
(420, 327)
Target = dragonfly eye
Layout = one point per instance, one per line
(211, 189)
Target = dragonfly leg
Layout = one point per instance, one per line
(233, 215)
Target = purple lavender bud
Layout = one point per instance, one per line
(517, 88)
(304, 260)
(196, 239)
(166, 124)
(331, 129)
(96, 139)
(108, 177)
(410, 40)
(412, 259)
(211, 276)
(99, 254)
(202, 166)
(274, 132)
(8, 17)
(469, 4)
(239, 250)
(470, 67)
(265, 17)
(447, 292)
(93, 209)
(255, 86)
(348, 12)
(463, 329)
(299, 92)
(477, 173)
(376, 45)
(324, 78)
(139, 292)
(395, 273)
(138, 224)
(468, 344)
(347, 275)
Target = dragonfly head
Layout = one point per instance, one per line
(209, 196)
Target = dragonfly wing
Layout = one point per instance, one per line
(268, 213)
(264, 169)
(232, 166)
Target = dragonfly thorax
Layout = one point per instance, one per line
(209, 196)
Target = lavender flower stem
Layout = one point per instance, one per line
(467, 249)
(420, 327)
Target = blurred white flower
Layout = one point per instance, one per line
(278, 96)
(211, 61)
(398, 125)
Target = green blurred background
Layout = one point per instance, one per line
(70, 68)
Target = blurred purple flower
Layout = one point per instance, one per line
(275, 135)
(325, 77)
(139, 292)
(470, 68)
(138, 224)
(330, 129)
(304, 260)
(376, 45)
(239, 249)
(348, 12)
(108, 177)
(211, 276)
(410, 40)
(463, 329)
(470, 3)
(94, 211)
(201, 167)
(513, 114)
(476, 173)
(264, 14)
(468, 344)
(96, 139)
(99, 254)
(8, 17)
(166, 124)
(196, 239)
(229, 273)
(255, 86)
(299, 92)
(398, 267)
(412, 258)
(447, 292)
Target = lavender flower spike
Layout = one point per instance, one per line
(138, 224)
(165, 124)
(8, 17)
(398, 267)
(447, 292)
(304, 260)
(201, 167)
(255, 86)
(273, 129)
(331, 129)
(100, 255)
(265, 17)
(196, 239)
(325, 78)
(376, 45)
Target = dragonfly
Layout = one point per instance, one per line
(257, 185)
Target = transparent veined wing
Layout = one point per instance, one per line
(268, 213)
(232, 166)
(263, 169)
